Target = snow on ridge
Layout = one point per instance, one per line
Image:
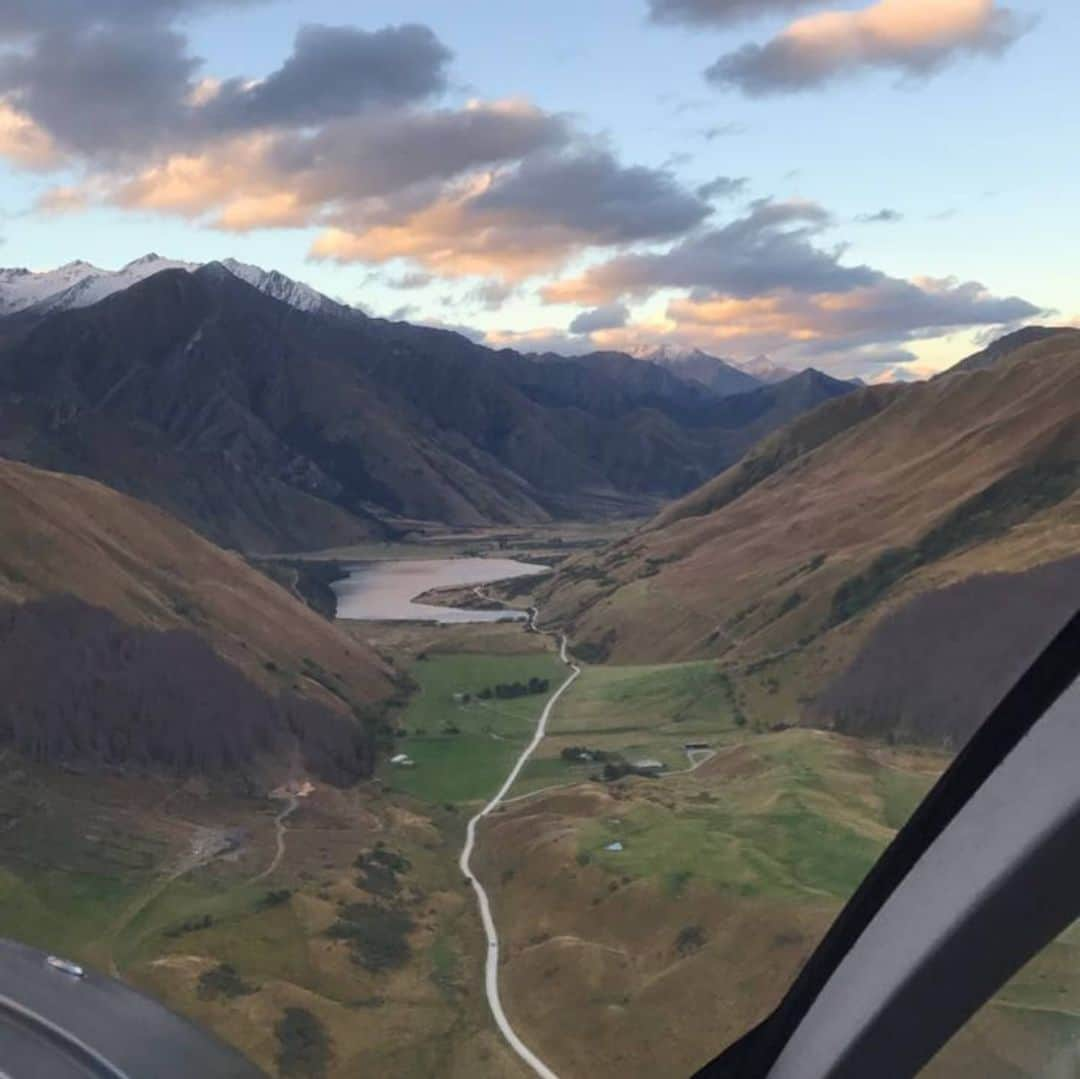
(273, 283)
(80, 284)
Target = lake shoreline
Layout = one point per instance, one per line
(442, 591)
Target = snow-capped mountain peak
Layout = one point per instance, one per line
(723, 377)
(80, 284)
(152, 259)
(761, 367)
(294, 293)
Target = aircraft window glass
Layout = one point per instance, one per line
(1031, 1028)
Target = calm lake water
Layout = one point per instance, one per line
(385, 591)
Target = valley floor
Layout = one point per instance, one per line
(644, 922)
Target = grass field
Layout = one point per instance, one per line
(463, 751)
(639, 712)
(798, 815)
(721, 884)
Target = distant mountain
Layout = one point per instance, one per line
(785, 563)
(128, 641)
(1009, 344)
(723, 377)
(624, 373)
(764, 370)
(271, 426)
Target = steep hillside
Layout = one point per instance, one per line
(1005, 346)
(270, 427)
(986, 630)
(784, 563)
(126, 638)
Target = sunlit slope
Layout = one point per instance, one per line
(1005, 346)
(647, 923)
(843, 516)
(62, 534)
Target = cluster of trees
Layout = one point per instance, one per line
(379, 870)
(616, 766)
(81, 685)
(504, 691)
(378, 936)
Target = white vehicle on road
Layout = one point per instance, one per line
(66, 966)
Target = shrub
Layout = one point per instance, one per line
(792, 601)
(275, 898)
(222, 981)
(192, 925)
(691, 939)
(303, 1044)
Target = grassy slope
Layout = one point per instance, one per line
(94, 869)
(748, 569)
(749, 566)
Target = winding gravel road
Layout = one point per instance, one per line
(292, 804)
(491, 968)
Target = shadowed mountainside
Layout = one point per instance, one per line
(118, 617)
(269, 428)
(934, 669)
(82, 686)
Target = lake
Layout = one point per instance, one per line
(385, 591)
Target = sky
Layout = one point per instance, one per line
(872, 188)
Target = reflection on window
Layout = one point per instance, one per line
(1030, 1030)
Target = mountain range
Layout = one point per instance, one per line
(270, 417)
(80, 284)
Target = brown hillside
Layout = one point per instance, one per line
(986, 630)
(842, 516)
(1006, 346)
(67, 536)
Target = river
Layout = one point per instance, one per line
(385, 591)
